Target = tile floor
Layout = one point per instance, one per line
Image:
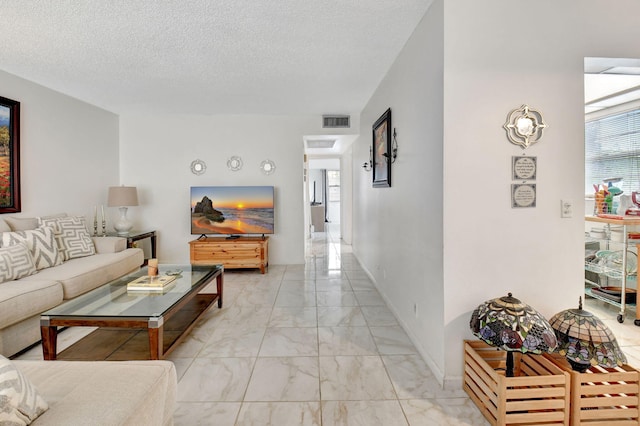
(315, 344)
(309, 344)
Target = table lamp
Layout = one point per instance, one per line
(122, 197)
(513, 326)
(585, 341)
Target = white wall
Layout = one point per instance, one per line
(346, 196)
(157, 152)
(327, 163)
(397, 231)
(491, 67)
(69, 150)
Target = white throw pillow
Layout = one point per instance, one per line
(16, 262)
(21, 223)
(71, 235)
(4, 226)
(20, 402)
(41, 244)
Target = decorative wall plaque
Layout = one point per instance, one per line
(523, 195)
(524, 168)
(234, 163)
(268, 167)
(524, 126)
(198, 167)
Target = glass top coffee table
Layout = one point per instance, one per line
(180, 303)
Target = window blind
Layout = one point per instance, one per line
(612, 150)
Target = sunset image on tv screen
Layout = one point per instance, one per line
(232, 210)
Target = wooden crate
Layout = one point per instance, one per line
(538, 394)
(603, 396)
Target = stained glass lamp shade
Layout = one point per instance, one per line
(585, 340)
(513, 326)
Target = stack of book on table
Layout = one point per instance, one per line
(151, 283)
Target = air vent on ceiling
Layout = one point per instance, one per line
(336, 121)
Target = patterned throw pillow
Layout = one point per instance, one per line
(15, 262)
(41, 244)
(71, 235)
(20, 402)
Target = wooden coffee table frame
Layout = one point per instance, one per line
(153, 324)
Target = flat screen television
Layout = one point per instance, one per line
(232, 210)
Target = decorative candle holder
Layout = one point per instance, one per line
(152, 267)
(104, 222)
(95, 221)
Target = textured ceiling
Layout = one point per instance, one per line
(208, 57)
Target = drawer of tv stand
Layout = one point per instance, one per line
(244, 252)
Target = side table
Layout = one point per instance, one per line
(134, 236)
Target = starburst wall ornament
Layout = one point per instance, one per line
(524, 126)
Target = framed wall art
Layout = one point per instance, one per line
(523, 195)
(9, 156)
(381, 146)
(524, 168)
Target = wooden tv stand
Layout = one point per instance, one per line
(236, 253)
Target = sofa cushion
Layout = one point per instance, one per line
(41, 244)
(109, 244)
(80, 275)
(71, 235)
(15, 262)
(21, 223)
(4, 226)
(105, 393)
(20, 402)
(28, 297)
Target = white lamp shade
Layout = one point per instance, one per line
(120, 196)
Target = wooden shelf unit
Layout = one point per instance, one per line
(237, 253)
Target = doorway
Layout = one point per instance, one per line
(612, 149)
(323, 210)
(324, 195)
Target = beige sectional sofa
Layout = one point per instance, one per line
(44, 262)
(105, 393)
(23, 300)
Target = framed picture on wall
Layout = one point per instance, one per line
(381, 149)
(9, 156)
(523, 195)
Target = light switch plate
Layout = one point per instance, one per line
(566, 208)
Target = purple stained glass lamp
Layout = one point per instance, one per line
(513, 326)
(585, 340)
